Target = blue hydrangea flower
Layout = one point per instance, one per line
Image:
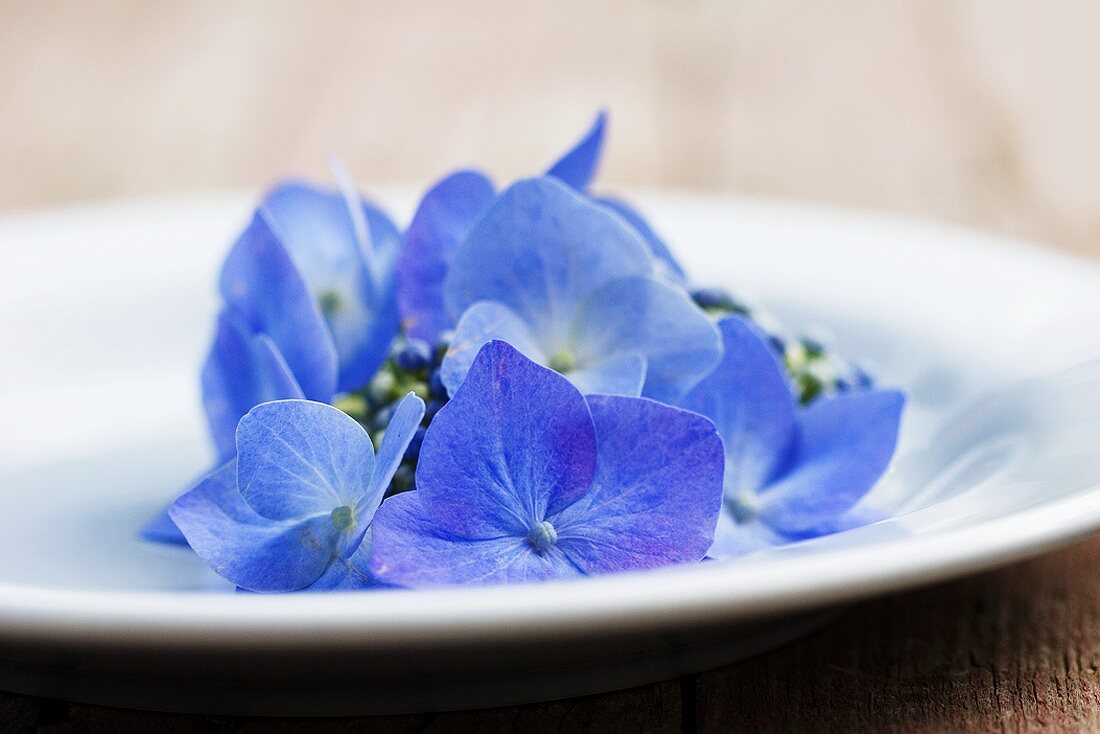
(791, 473)
(292, 509)
(451, 208)
(523, 479)
(311, 307)
(571, 286)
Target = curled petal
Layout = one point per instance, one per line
(749, 399)
(251, 551)
(261, 283)
(298, 458)
(445, 216)
(578, 166)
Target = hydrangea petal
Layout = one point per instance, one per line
(847, 442)
(656, 320)
(480, 324)
(578, 166)
(749, 398)
(161, 529)
(539, 250)
(445, 216)
(406, 419)
(667, 264)
(251, 551)
(341, 576)
(515, 442)
(296, 458)
(732, 538)
(410, 548)
(657, 492)
(621, 374)
(260, 281)
(241, 371)
(320, 233)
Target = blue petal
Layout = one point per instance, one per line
(334, 249)
(297, 458)
(412, 549)
(241, 371)
(480, 324)
(249, 550)
(161, 529)
(846, 444)
(749, 398)
(657, 492)
(655, 320)
(262, 284)
(619, 374)
(445, 216)
(578, 166)
(540, 249)
(341, 575)
(667, 265)
(514, 443)
(402, 426)
(732, 538)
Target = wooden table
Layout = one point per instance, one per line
(982, 112)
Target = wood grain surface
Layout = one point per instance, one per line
(982, 112)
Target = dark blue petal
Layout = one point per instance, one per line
(245, 548)
(411, 548)
(480, 324)
(262, 284)
(445, 216)
(847, 442)
(540, 249)
(241, 371)
(667, 265)
(749, 398)
(657, 492)
(578, 166)
(347, 260)
(653, 319)
(514, 443)
(298, 458)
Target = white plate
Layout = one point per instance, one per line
(105, 312)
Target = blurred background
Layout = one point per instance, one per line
(983, 112)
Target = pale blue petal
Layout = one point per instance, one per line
(655, 320)
(261, 283)
(846, 444)
(358, 304)
(400, 431)
(445, 216)
(341, 575)
(481, 323)
(241, 371)
(578, 166)
(657, 493)
(749, 398)
(412, 549)
(161, 529)
(732, 539)
(515, 442)
(252, 551)
(297, 458)
(540, 249)
(620, 374)
(666, 263)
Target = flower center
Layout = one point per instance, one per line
(563, 361)
(343, 518)
(330, 301)
(743, 507)
(542, 535)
